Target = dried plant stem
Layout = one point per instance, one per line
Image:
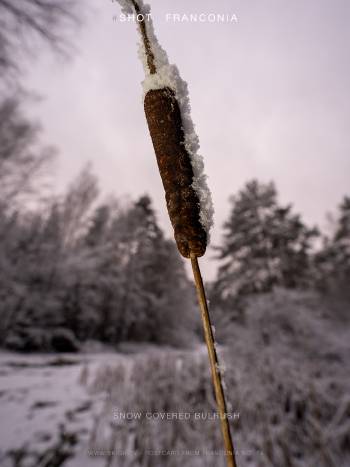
(214, 363)
(149, 53)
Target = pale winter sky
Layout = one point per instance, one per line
(269, 96)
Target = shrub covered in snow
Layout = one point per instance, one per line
(285, 377)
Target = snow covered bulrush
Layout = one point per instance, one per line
(167, 75)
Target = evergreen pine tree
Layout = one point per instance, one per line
(157, 302)
(264, 244)
(333, 261)
(343, 229)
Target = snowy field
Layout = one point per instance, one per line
(46, 409)
(66, 410)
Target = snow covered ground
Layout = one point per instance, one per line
(287, 378)
(45, 407)
(65, 409)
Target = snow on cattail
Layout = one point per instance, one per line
(175, 142)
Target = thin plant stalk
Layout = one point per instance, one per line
(214, 363)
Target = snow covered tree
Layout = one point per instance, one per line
(264, 244)
(41, 258)
(342, 234)
(77, 205)
(332, 263)
(157, 300)
(23, 160)
(105, 273)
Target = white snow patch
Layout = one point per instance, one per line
(38, 396)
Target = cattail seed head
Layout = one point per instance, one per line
(167, 109)
(165, 125)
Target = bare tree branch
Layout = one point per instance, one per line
(22, 158)
(25, 22)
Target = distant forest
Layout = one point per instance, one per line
(74, 268)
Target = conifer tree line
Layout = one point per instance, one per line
(75, 268)
(266, 244)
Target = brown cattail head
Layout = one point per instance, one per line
(165, 121)
(165, 125)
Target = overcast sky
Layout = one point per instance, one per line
(269, 97)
